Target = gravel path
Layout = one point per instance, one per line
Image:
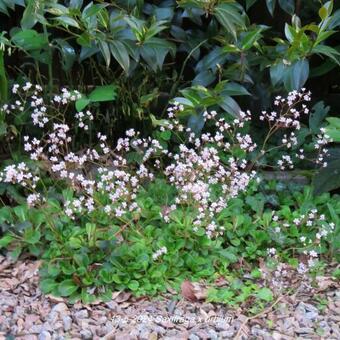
(25, 313)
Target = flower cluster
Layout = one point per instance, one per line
(206, 169)
(288, 116)
(19, 174)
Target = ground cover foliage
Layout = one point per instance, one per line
(143, 144)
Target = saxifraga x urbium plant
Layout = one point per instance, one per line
(151, 210)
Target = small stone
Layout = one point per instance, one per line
(81, 314)
(193, 337)
(57, 325)
(144, 334)
(212, 334)
(36, 329)
(86, 334)
(228, 334)
(311, 315)
(222, 326)
(153, 336)
(44, 335)
(60, 308)
(159, 329)
(52, 318)
(304, 330)
(67, 322)
(120, 336)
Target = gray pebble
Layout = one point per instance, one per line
(81, 314)
(44, 335)
(86, 334)
(193, 337)
(67, 322)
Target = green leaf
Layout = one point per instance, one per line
(67, 287)
(166, 135)
(68, 54)
(265, 294)
(92, 10)
(323, 13)
(120, 53)
(277, 73)
(250, 38)
(271, 6)
(48, 285)
(328, 51)
(229, 17)
(317, 115)
(3, 129)
(327, 178)
(29, 40)
(58, 10)
(29, 17)
(288, 6)
(21, 211)
(52, 269)
(296, 75)
(234, 89)
(32, 236)
(133, 285)
(250, 3)
(231, 257)
(5, 241)
(105, 50)
(67, 21)
(82, 103)
(103, 93)
(229, 105)
(334, 122)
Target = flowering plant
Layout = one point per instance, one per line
(106, 202)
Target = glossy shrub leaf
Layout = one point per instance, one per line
(271, 6)
(67, 21)
(57, 9)
(296, 75)
(92, 9)
(120, 53)
(29, 40)
(68, 54)
(29, 17)
(105, 50)
(288, 6)
(204, 78)
(277, 73)
(328, 51)
(103, 93)
(250, 3)
(229, 17)
(234, 89)
(229, 105)
(196, 123)
(250, 38)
